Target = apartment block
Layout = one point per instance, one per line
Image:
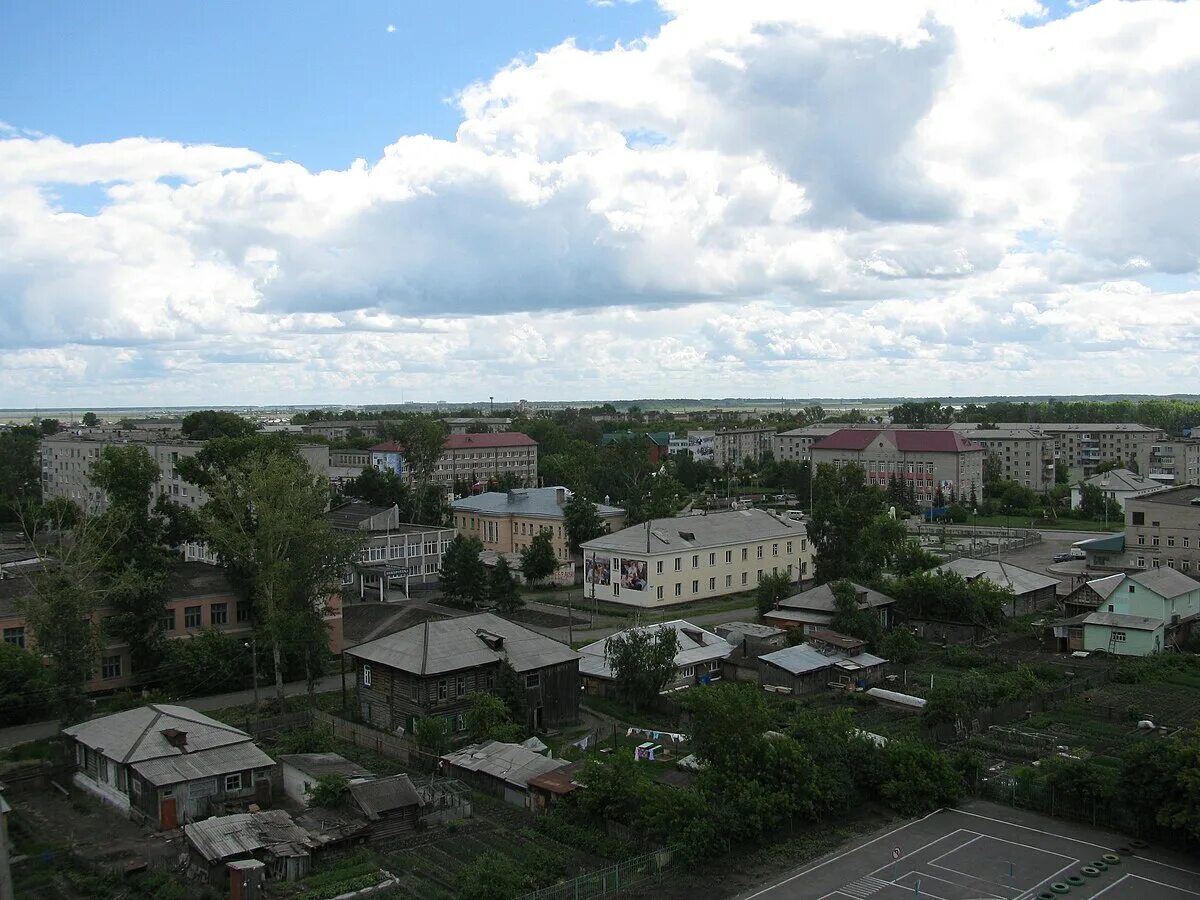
(1174, 461)
(507, 522)
(794, 445)
(1163, 530)
(67, 461)
(684, 558)
(735, 446)
(1085, 446)
(927, 458)
(471, 458)
(1023, 456)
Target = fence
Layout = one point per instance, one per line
(380, 742)
(270, 725)
(610, 881)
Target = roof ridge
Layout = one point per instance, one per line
(138, 740)
(425, 646)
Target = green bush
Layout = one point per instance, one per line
(492, 876)
(307, 739)
(330, 792)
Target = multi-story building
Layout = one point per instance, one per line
(67, 461)
(697, 444)
(400, 555)
(339, 431)
(491, 423)
(1162, 530)
(1174, 461)
(734, 446)
(676, 560)
(470, 458)
(926, 458)
(432, 669)
(1086, 446)
(507, 522)
(1021, 455)
(794, 445)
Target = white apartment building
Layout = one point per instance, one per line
(1023, 456)
(1175, 461)
(735, 446)
(685, 558)
(1086, 445)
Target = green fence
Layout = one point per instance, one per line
(610, 881)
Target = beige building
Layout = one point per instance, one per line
(470, 458)
(67, 461)
(1023, 456)
(1085, 446)
(685, 558)
(507, 522)
(929, 459)
(794, 445)
(1163, 530)
(463, 425)
(1174, 461)
(735, 446)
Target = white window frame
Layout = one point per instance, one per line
(233, 782)
(366, 674)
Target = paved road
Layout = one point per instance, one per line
(33, 731)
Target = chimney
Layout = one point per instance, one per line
(560, 495)
(176, 738)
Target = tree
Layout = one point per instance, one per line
(212, 423)
(510, 687)
(265, 519)
(50, 426)
(380, 487)
(537, 560)
(502, 590)
(771, 589)
(423, 438)
(20, 470)
(90, 420)
(917, 778)
(850, 617)
(23, 685)
(642, 662)
(432, 735)
(844, 506)
(489, 719)
(581, 520)
(215, 659)
(463, 576)
(330, 792)
(899, 646)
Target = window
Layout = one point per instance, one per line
(168, 620)
(658, 592)
(15, 636)
(1170, 540)
(233, 782)
(218, 613)
(758, 577)
(442, 689)
(745, 554)
(714, 665)
(689, 672)
(1170, 562)
(243, 610)
(745, 577)
(712, 584)
(789, 548)
(678, 589)
(414, 690)
(1138, 518)
(1156, 562)
(1142, 539)
(102, 766)
(678, 563)
(695, 587)
(191, 617)
(460, 723)
(460, 686)
(1118, 636)
(1141, 562)
(712, 559)
(533, 679)
(110, 667)
(491, 681)
(759, 551)
(366, 674)
(774, 549)
(1154, 540)
(728, 556)
(1187, 542)
(728, 581)
(658, 567)
(695, 560)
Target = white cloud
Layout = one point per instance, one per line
(764, 197)
(391, 29)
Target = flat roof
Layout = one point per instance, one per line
(1184, 495)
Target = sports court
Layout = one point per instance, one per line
(987, 852)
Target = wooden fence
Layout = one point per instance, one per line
(389, 745)
(272, 725)
(1013, 710)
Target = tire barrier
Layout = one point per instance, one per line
(1074, 880)
(1059, 887)
(1112, 859)
(1097, 864)
(1090, 871)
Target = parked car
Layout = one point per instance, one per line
(1062, 557)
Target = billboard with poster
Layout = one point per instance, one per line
(597, 571)
(633, 574)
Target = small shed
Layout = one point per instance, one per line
(749, 639)
(334, 832)
(500, 769)
(392, 806)
(550, 787)
(271, 837)
(302, 770)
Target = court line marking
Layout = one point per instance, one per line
(838, 894)
(956, 849)
(925, 876)
(1007, 887)
(1054, 877)
(844, 853)
(1064, 837)
(955, 833)
(1148, 881)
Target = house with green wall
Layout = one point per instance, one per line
(1131, 614)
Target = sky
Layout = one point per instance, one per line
(229, 203)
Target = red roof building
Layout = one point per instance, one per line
(929, 458)
(475, 459)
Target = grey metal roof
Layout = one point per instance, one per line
(511, 763)
(799, 659)
(1118, 620)
(432, 648)
(749, 629)
(380, 796)
(1184, 495)
(137, 734)
(246, 833)
(1165, 582)
(203, 764)
(1019, 581)
(1123, 480)
(681, 533)
(1076, 427)
(538, 503)
(798, 615)
(318, 764)
(1106, 585)
(695, 646)
(820, 598)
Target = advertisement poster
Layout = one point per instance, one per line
(596, 571)
(633, 574)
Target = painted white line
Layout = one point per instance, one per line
(913, 877)
(1034, 849)
(845, 853)
(944, 837)
(956, 849)
(1072, 840)
(1007, 887)
(835, 894)
(1124, 878)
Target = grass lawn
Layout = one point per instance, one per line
(1003, 521)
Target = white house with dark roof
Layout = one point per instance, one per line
(1031, 590)
(1118, 485)
(697, 557)
(167, 764)
(697, 659)
(815, 608)
(302, 771)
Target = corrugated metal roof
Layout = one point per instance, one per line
(318, 764)
(535, 502)
(224, 836)
(203, 764)
(1019, 581)
(137, 734)
(820, 598)
(511, 763)
(1118, 620)
(685, 533)
(1123, 480)
(432, 648)
(799, 659)
(695, 646)
(383, 795)
(1105, 586)
(1165, 582)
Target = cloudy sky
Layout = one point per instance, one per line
(204, 203)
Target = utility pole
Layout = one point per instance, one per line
(570, 622)
(253, 645)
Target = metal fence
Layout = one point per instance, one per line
(610, 881)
